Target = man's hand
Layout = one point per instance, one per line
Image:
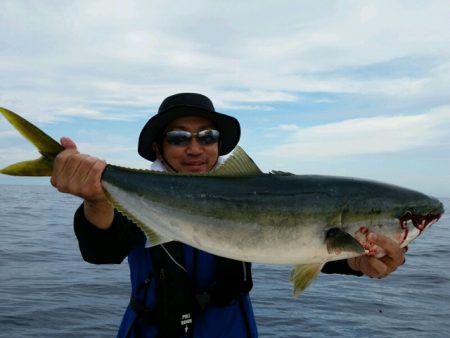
(379, 267)
(80, 175)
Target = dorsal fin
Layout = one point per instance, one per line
(238, 164)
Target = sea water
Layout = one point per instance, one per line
(47, 290)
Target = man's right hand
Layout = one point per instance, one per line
(80, 175)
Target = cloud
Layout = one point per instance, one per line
(340, 78)
(372, 135)
(90, 57)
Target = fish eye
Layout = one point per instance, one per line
(407, 215)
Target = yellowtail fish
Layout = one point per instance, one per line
(241, 213)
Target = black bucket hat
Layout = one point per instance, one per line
(188, 104)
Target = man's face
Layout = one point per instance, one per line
(194, 156)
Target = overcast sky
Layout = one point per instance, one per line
(352, 88)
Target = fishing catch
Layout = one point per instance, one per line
(241, 213)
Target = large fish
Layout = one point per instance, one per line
(241, 213)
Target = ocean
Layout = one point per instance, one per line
(47, 290)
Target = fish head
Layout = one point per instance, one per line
(415, 220)
(399, 214)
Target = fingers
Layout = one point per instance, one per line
(391, 247)
(394, 253)
(68, 143)
(377, 268)
(381, 267)
(57, 179)
(78, 174)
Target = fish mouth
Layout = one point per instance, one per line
(421, 221)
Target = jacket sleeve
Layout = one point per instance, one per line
(99, 246)
(340, 267)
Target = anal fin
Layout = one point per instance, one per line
(302, 276)
(153, 238)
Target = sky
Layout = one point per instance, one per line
(346, 88)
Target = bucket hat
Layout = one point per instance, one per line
(188, 104)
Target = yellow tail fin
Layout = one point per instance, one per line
(47, 146)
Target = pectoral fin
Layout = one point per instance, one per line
(338, 241)
(302, 276)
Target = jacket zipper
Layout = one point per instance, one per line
(244, 271)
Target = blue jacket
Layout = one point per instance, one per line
(234, 319)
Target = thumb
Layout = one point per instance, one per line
(67, 143)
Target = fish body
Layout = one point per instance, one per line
(270, 218)
(241, 213)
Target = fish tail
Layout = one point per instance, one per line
(46, 146)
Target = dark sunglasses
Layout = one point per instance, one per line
(183, 138)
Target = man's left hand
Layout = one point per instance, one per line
(379, 267)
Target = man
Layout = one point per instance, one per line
(178, 290)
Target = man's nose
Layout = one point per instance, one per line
(194, 146)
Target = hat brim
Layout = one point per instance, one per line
(228, 126)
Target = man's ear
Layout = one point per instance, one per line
(157, 149)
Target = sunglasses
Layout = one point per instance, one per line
(183, 138)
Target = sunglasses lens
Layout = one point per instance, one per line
(209, 136)
(178, 137)
(183, 138)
